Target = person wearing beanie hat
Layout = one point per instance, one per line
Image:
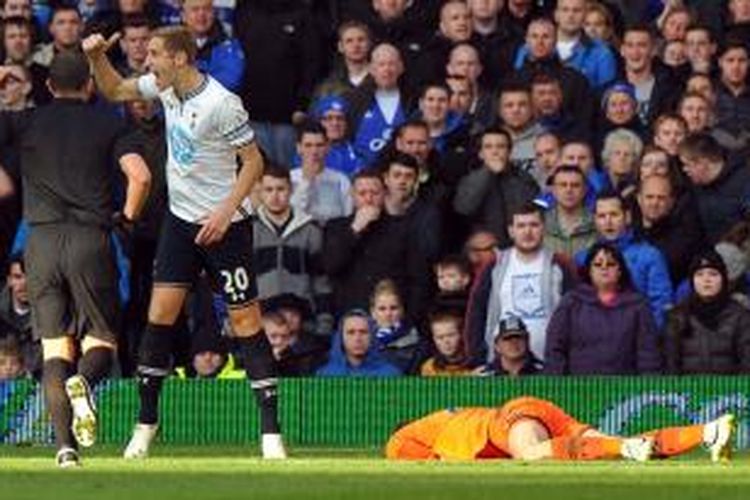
(327, 104)
(710, 286)
(330, 112)
(619, 109)
(708, 333)
(617, 89)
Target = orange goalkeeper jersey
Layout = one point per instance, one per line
(476, 433)
(460, 434)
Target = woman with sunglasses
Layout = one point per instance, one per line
(602, 327)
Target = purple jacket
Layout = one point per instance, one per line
(585, 337)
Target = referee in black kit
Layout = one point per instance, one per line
(69, 153)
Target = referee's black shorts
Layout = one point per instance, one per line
(229, 262)
(72, 281)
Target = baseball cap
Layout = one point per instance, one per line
(329, 103)
(511, 326)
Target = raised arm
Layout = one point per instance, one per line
(110, 83)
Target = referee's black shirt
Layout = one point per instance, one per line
(68, 151)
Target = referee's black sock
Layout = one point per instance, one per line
(54, 373)
(154, 361)
(256, 358)
(95, 365)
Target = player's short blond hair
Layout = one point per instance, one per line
(177, 39)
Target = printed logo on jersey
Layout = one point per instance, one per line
(526, 293)
(378, 143)
(183, 147)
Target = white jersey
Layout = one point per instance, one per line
(522, 297)
(204, 130)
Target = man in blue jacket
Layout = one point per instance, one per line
(647, 266)
(353, 354)
(591, 57)
(219, 55)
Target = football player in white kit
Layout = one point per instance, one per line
(205, 228)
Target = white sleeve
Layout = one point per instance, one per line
(147, 86)
(233, 122)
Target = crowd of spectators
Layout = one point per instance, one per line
(452, 187)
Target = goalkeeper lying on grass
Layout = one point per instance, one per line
(531, 429)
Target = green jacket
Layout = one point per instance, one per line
(557, 240)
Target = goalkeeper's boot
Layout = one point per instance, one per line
(272, 447)
(84, 411)
(67, 458)
(717, 436)
(140, 442)
(638, 449)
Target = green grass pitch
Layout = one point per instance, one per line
(208, 473)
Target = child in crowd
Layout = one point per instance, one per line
(297, 351)
(447, 339)
(11, 360)
(395, 338)
(453, 273)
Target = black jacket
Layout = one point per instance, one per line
(385, 249)
(578, 99)
(408, 33)
(694, 348)
(429, 66)
(496, 52)
(667, 89)
(678, 236)
(724, 202)
(732, 111)
(283, 57)
(488, 199)
(302, 358)
(531, 366)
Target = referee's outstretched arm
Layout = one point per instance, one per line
(138, 175)
(110, 83)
